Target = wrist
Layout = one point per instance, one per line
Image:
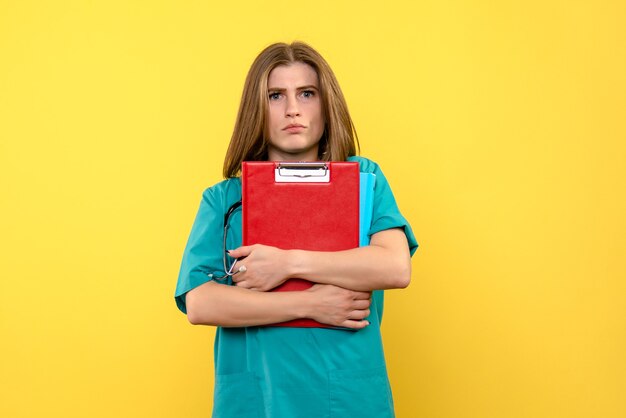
(294, 264)
(303, 307)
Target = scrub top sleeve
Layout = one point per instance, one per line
(386, 214)
(202, 257)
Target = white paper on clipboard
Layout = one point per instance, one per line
(302, 173)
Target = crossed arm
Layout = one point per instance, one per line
(341, 297)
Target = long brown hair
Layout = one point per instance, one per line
(249, 142)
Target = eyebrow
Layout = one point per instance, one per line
(309, 87)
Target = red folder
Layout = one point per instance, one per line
(307, 206)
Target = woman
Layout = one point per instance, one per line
(292, 109)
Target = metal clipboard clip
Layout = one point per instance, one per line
(302, 173)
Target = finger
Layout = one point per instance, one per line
(359, 314)
(238, 268)
(236, 274)
(348, 323)
(240, 252)
(243, 284)
(361, 304)
(361, 295)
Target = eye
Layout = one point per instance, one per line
(274, 96)
(307, 94)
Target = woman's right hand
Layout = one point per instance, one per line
(336, 306)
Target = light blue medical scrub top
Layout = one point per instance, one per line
(291, 372)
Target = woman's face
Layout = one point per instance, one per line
(295, 120)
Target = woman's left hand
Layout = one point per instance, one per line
(265, 267)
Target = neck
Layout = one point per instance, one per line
(278, 155)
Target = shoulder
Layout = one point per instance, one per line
(223, 193)
(365, 164)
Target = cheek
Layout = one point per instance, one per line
(273, 119)
(316, 114)
(319, 126)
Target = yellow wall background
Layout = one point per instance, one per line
(501, 126)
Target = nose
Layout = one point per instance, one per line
(292, 109)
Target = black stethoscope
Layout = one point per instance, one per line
(228, 267)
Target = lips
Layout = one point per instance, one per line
(294, 128)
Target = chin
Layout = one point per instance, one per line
(295, 149)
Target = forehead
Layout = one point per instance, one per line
(292, 75)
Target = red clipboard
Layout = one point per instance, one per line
(306, 206)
